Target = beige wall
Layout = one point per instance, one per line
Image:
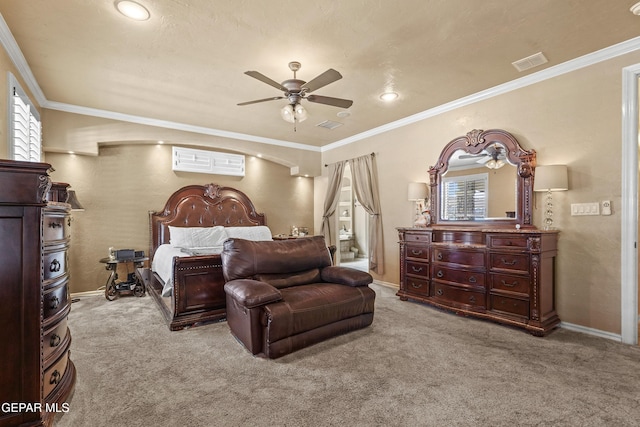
(120, 185)
(574, 119)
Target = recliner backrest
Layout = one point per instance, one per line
(242, 259)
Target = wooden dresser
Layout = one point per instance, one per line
(498, 274)
(35, 369)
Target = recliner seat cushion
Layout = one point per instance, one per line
(307, 307)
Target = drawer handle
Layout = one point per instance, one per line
(416, 252)
(439, 256)
(55, 340)
(55, 225)
(69, 221)
(416, 270)
(418, 286)
(509, 285)
(505, 262)
(439, 274)
(473, 279)
(55, 266)
(472, 298)
(55, 301)
(55, 377)
(439, 292)
(508, 243)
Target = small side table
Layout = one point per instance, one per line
(113, 288)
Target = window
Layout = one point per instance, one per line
(25, 129)
(464, 197)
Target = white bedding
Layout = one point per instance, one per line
(209, 241)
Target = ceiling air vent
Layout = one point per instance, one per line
(530, 62)
(328, 124)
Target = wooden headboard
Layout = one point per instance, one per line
(202, 206)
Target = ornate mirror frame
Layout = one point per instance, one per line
(475, 142)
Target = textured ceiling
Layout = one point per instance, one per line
(186, 64)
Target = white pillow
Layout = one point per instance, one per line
(197, 237)
(257, 233)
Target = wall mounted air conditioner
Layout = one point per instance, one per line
(202, 161)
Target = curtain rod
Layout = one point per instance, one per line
(327, 164)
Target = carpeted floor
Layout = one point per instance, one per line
(415, 366)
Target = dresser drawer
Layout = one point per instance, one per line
(462, 257)
(55, 300)
(416, 251)
(54, 264)
(55, 227)
(54, 374)
(417, 268)
(417, 237)
(457, 296)
(511, 283)
(417, 286)
(463, 277)
(507, 261)
(510, 305)
(55, 339)
(507, 241)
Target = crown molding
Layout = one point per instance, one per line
(605, 54)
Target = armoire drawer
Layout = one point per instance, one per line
(55, 300)
(55, 339)
(54, 374)
(55, 227)
(507, 241)
(54, 264)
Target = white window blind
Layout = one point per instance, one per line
(202, 161)
(25, 127)
(464, 197)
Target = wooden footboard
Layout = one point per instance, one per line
(198, 291)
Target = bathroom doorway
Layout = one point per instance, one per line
(353, 226)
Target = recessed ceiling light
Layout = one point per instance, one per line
(388, 96)
(635, 9)
(343, 114)
(133, 10)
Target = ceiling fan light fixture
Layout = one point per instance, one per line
(495, 164)
(300, 113)
(287, 113)
(133, 10)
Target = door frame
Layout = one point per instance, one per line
(629, 207)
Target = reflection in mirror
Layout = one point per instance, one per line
(479, 186)
(483, 177)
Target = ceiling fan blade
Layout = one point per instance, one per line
(323, 79)
(273, 98)
(265, 79)
(336, 102)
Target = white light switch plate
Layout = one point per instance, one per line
(585, 209)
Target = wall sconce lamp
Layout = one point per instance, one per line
(419, 193)
(550, 178)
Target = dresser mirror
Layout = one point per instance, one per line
(483, 177)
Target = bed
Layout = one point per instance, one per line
(196, 292)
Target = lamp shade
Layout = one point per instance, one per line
(551, 178)
(418, 191)
(72, 199)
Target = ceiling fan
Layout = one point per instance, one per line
(295, 90)
(492, 157)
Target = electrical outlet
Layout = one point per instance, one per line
(606, 207)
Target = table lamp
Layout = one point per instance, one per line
(550, 178)
(419, 192)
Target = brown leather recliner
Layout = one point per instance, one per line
(284, 295)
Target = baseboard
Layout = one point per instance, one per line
(86, 294)
(386, 284)
(591, 331)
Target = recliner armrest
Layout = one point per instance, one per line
(252, 293)
(345, 276)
